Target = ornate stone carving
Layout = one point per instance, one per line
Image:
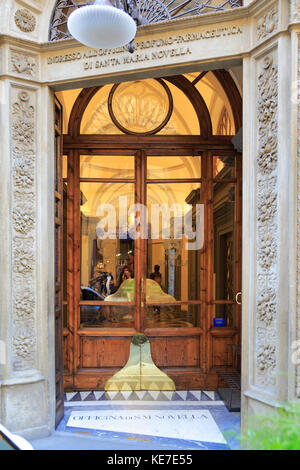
(267, 202)
(23, 172)
(24, 218)
(25, 20)
(266, 358)
(267, 221)
(23, 259)
(267, 116)
(267, 249)
(266, 306)
(268, 23)
(23, 64)
(295, 10)
(23, 134)
(24, 342)
(24, 303)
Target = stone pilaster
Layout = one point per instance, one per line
(269, 199)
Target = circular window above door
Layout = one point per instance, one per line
(140, 107)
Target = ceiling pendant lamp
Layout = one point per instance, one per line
(102, 26)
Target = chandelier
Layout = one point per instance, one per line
(108, 24)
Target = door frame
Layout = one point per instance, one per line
(77, 377)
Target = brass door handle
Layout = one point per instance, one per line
(239, 294)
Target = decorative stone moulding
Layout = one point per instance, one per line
(25, 20)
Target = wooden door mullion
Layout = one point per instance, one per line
(144, 242)
(137, 249)
(70, 261)
(140, 249)
(77, 259)
(210, 258)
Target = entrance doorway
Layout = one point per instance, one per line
(152, 233)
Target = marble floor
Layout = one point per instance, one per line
(181, 420)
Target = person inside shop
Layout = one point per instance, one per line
(156, 275)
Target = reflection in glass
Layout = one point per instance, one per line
(112, 166)
(104, 316)
(65, 166)
(171, 262)
(107, 251)
(226, 313)
(173, 316)
(224, 167)
(178, 266)
(224, 248)
(65, 251)
(173, 167)
(154, 293)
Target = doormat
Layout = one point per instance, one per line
(194, 425)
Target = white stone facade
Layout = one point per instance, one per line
(264, 38)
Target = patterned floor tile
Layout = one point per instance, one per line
(210, 394)
(69, 396)
(84, 395)
(126, 395)
(182, 394)
(142, 395)
(196, 394)
(169, 395)
(190, 396)
(112, 395)
(76, 397)
(148, 397)
(154, 394)
(98, 395)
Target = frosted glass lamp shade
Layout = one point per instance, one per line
(102, 26)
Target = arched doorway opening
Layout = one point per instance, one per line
(165, 144)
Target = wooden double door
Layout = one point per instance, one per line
(152, 244)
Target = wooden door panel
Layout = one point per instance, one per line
(175, 351)
(104, 352)
(223, 348)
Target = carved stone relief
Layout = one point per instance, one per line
(267, 225)
(23, 64)
(25, 20)
(295, 10)
(23, 120)
(268, 23)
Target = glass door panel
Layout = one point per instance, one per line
(173, 167)
(176, 243)
(226, 242)
(107, 289)
(107, 167)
